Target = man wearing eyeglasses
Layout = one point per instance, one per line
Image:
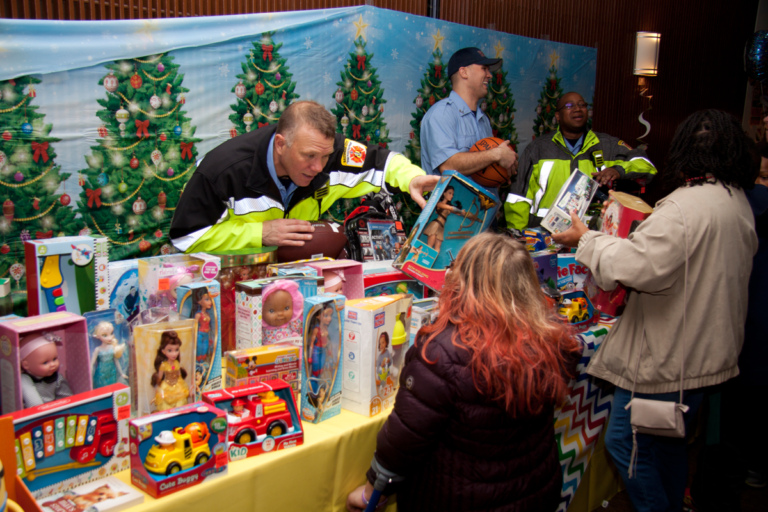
(548, 161)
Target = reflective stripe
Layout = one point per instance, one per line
(542, 212)
(641, 158)
(351, 179)
(253, 204)
(546, 169)
(514, 198)
(185, 242)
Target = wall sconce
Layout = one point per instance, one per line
(647, 53)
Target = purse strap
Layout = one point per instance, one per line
(685, 307)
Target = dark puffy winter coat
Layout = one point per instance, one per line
(460, 451)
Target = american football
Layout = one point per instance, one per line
(327, 240)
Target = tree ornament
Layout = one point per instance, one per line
(31, 91)
(102, 179)
(373, 102)
(494, 105)
(65, 199)
(168, 89)
(110, 82)
(130, 234)
(5, 249)
(240, 90)
(364, 110)
(377, 132)
(8, 209)
(3, 160)
(273, 106)
(26, 128)
(135, 81)
(154, 101)
(369, 84)
(156, 157)
(163, 137)
(118, 228)
(122, 187)
(134, 163)
(139, 206)
(122, 115)
(18, 176)
(25, 236)
(368, 138)
(17, 271)
(344, 122)
(484, 105)
(144, 246)
(259, 88)
(86, 231)
(7, 135)
(103, 132)
(160, 67)
(419, 101)
(353, 95)
(278, 76)
(248, 120)
(169, 172)
(431, 99)
(162, 199)
(538, 110)
(81, 179)
(283, 96)
(165, 249)
(339, 95)
(512, 116)
(233, 132)
(182, 99)
(549, 108)
(158, 234)
(177, 130)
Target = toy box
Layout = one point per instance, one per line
(71, 336)
(341, 276)
(574, 196)
(200, 302)
(178, 448)
(622, 213)
(380, 239)
(236, 268)
(14, 495)
(570, 273)
(66, 274)
(536, 239)
(320, 378)
(160, 276)
(165, 359)
(276, 269)
(73, 440)
(457, 210)
(392, 281)
(424, 312)
(375, 342)
(109, 343)
(545, 263)
(124, 287)
(261, 418)
(577, 309)
(249, 366)
(108, 494)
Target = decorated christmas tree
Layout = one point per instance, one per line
(264, 88)
(34, 206)
(500, 107)
(144, 156)
(359, 111)
(545, 111)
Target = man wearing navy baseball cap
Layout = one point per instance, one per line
(453, 125)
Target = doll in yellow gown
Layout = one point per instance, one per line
(168, 380)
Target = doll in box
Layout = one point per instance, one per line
(203, 318)
(41, 381)
(334, 280)
(383, 361)
(317, 342)
(436, 228)
(281, 311)
(168, 380)
(105, 361)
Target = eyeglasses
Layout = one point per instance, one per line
(571, 105)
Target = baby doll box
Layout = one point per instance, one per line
(66, 274)
(341, 276)
(250, 366)
(177, 390)
(261, 418)
(201, 302)
(73, 353)
(375, 341)
(109, 363)
(159, 276)
(321, 357)
(178, 448)
(124, 287)
(71, 441)
(439, 232)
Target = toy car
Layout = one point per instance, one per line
(260, 415)
(181, 449)
(575, 309)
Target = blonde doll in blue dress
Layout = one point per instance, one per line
(105, 360)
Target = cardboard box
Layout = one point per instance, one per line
(322, 364)
(66, 274)
(574, 196)
(570, 273)
(457, 210)
(196, 451)
(341, 276)
(107, 494)
(390, 282)
(261, 418)
(375, 342)
(201, 302)
(67, 442)
(622, 213)
(124, 287)
(159, 276)
(423, 313)
(74, 357)
(250, 366)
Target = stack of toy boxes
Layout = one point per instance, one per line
(66, 274)
(200, 301)
(178, 448)
(439, 234)
(250, 366)
(236, 268)
(73, 440)
(160, 276)
(73, 354)
(321, 369)
(261, 417)
(375, 342)
(341, 276)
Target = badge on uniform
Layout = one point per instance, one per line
(354, 153)
(622, 143)
(322, 191)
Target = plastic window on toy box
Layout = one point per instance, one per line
(322, 355)
(385, 241)
(282, 308)
(108, 341)
(200, 302)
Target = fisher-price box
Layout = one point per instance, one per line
(178, 448)
(322, 363)
(200, 302)
(68, 442)
(457, 210)
(71, 335)
(160, 276)
(375, 342)
(66, 274)
(250, 366)
(261, 418)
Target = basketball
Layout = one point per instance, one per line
(494, 175)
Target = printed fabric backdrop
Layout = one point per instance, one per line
(102, 122)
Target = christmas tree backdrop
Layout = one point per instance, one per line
(33, 205)
(145, 154)
(500, 108)
(545, 110)
(264, 88)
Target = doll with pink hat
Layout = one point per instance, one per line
(282, 306)
(41, 381)
(334, 280)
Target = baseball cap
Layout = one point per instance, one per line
(468, 56)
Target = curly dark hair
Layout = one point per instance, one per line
(712, 142)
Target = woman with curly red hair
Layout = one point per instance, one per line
(473, 422)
